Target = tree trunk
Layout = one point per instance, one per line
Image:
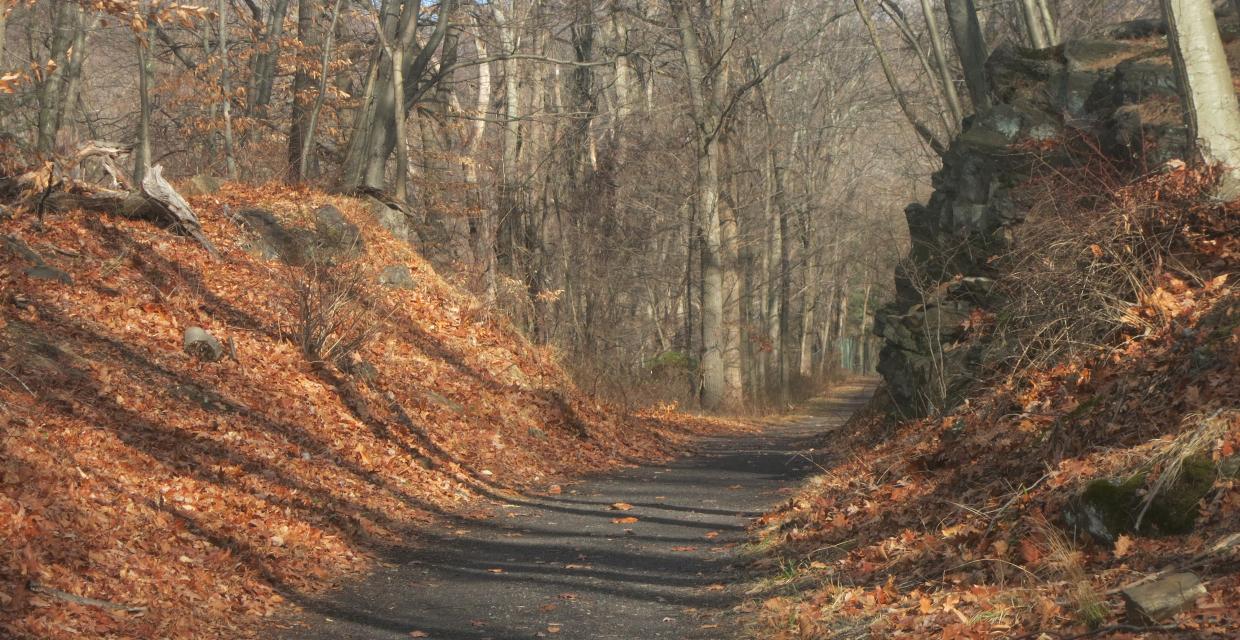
(1048, 22)
(264, 70)
(809, 307)
(300, 110)
(940, 62)
(1035, 29)
(49, 90)
(483, 228)
(716, 392)
(414, 83)
(1210, 105)
(971, 47)
(146, 78)
(4, 20)
(300, 157)
(71, 80)
(230, 159)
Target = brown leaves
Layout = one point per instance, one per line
(621, 506)
(304, 467)
(1123, 545)
(625, 520)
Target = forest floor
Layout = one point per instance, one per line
(648, 552)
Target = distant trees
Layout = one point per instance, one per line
(697, 199)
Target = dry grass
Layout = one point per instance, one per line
(1066, 562)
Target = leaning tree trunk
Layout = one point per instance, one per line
(1210, 107)
(940, 62)
(923, 130)
(971, 47)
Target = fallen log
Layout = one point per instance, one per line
(47, 190)
(159, 192)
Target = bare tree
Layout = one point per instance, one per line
(1210, 106)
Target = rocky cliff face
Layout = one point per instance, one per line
(1118, 89)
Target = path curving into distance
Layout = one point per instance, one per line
(560, 567)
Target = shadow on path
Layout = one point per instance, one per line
(560, 562)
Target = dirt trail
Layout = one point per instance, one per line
(561, 567)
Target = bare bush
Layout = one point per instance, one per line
(1092, 251)
(331, 320)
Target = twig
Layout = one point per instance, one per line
(92, 602)
(19, 381)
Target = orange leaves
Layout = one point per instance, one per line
(214, 476)
(624, 520)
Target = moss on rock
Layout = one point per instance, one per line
(1107, 508)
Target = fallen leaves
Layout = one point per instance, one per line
(621, 506)
(625, 520)
(949, 507)
(226, 480)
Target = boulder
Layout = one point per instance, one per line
(362, 370)
(44, 272)
(201, 185)
(397, 275)
(269, 239)
(1156, 601)
(334, 234)
(1106, 508)
(39, 270)
(202, 345)
(392, 219)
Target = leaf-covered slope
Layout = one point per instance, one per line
(192, 494)
(967, 525)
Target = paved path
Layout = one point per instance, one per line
(559, 567)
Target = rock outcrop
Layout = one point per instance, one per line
(1117, 88)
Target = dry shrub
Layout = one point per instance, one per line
(1094, 250)
(331, 320)
(1067, 563)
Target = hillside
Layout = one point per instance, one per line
(1061, 417)
(187, 497)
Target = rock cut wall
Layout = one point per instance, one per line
(1118, 88)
